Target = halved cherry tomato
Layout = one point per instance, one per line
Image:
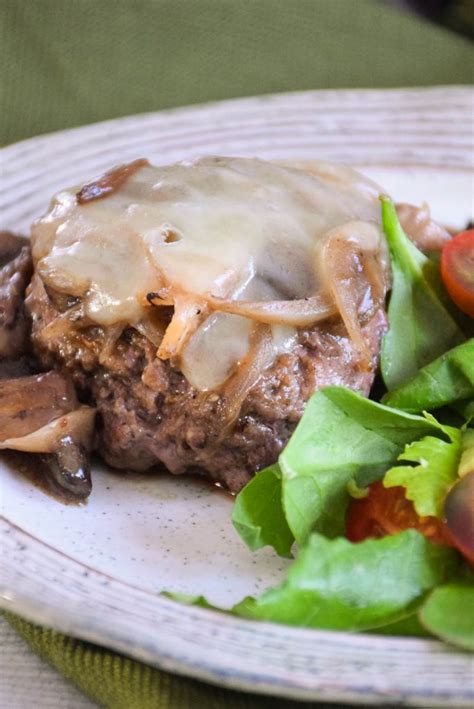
(457, 270)
(387, 511)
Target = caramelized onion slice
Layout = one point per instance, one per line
(29, 403)
(151, 329)
(112, 334)
(298, 313)
(354, 279)
(64, 323)
(186, 318)
(110, 182)
(259, 356)
(78, 424)
(425, 233)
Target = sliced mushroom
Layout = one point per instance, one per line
(77, 424)
(69, 468)
(41, 415)
(28, 403)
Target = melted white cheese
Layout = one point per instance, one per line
(226, 227)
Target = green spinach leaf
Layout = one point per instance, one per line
(409, 626)
(448, 379)
(258, 513)
(420, 326)
(448, 613)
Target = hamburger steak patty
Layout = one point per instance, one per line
(149, 415)
(198, 306)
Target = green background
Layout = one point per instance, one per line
(69, 62)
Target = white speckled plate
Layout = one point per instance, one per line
(95, 571)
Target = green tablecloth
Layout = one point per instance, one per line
(69, 62)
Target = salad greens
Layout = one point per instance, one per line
(465, 409)
(401, 583)
(409, 626)
(342, 437)
(421, 327)
(466, 464)
(447, 379)
(258, 514)
(428, 483)
(337, 585)
(449, 613)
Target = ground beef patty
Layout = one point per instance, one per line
(150, 416)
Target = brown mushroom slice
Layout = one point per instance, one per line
(69, 468)
(64, 445)
(77, 424)
(29, 403)
(40, 415)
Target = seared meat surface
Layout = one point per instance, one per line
(150, 415)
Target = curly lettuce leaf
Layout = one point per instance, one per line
(342, 437)
(448, 613)
(338, 585)
(427, 483)
(446, 380)
(258, 514)
(420, 326)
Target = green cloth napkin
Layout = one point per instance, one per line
(118, 682)
(69, 62)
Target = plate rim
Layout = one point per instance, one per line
(94, 631)
(29, 607)
(241, 101)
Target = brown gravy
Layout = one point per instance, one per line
(33, 468)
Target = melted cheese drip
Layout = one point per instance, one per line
(227, 227)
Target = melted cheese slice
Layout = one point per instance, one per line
(225, 227)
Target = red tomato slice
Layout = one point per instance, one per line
(457, 270)
(387, 511)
